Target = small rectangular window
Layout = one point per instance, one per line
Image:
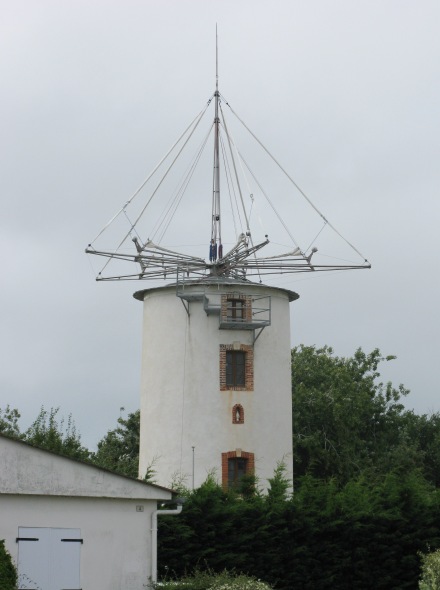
(235, 465)
(237, 468)
(236, 310)
(235, 368)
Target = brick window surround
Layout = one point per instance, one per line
(248, 367)
(237, 454)
(236, 307)
(238, 414)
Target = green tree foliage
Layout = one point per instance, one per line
(279, 485)
(365, 502)
(8, 574)
(119, 449)
(346, 421)
(229, 530)
(361, 535)
(422, 436)
(430, 576)
(47, 432)
(9, 422)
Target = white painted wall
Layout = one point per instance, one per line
(117, 541)
(181, 402)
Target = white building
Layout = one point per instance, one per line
(216, 381)
(71, 525)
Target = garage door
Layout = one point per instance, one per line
(48, 558)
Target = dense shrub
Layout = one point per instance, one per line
(8, 574)
(209, 580)
(324, 537)
(430, 578)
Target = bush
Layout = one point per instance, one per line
(8, 574)
(240, 583)
(208, 580)
(430, 578)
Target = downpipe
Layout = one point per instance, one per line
(154, 516)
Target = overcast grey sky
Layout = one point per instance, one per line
(344, 93)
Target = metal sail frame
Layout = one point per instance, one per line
(154, 262)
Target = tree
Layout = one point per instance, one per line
(9, 422)
(279, 485)
(423, 433)
(344, 419)
(48, 433)
(119, 449)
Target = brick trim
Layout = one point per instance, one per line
(250, 466)
(248, 367)
(247, 307)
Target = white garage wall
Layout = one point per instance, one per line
(117, 536)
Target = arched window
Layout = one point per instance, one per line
(237, 414)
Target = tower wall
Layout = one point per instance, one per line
(184, 402)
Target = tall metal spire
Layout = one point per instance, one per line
(152, 261)
(216, 247)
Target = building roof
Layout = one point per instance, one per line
(216, 282)
(29, 470)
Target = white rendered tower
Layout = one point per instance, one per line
(216, 383)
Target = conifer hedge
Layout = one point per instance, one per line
(322, 537)
(8, 574)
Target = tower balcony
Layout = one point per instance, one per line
(244, 312)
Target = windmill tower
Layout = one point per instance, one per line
(216, 385)
(216, 382)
